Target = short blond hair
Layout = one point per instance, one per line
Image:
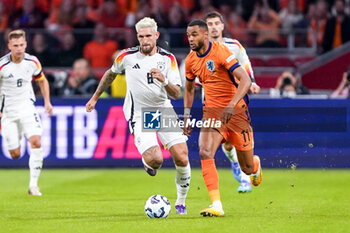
(147, 22)
(18, 33)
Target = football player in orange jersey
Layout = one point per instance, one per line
(215, 22)
(225, 86)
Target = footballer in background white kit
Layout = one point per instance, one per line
(151, 75)
(18, 113)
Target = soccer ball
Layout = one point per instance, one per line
(157, 206)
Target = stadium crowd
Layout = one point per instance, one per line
(62, 31)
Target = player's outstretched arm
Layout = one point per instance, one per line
(242, 90)
(188, 101)
(105, 82)
(45, 91)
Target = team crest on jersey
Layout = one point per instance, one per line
(161, 65)
(210, 65)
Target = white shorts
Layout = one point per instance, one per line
(145, 140)
(13, 128)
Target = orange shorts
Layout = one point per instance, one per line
(238, 130)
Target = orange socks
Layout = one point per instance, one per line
(211, 179)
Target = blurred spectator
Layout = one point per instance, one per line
(177, 17)
(82, 81)
(154, 10)
(69, 50)
(290, 16)
(166, 5)
(266, 23)
(3, 17)
(144, 10)
(41, 50)
(110, 15)
(57, 81)
(343, 89)
(56, 4)
(129, 6)
(205, 6)
(43, 5)
(310, 14)
(100, 50)
(288, 85)
(317, 23)
(177, 21)
(337, 30)
(248, 7)
(159, 13)
(62, 18)
(82, 25)
(235, 25)
(301, 4)
(3, 41)
(80, 18)
(125, 6)
(28, 16)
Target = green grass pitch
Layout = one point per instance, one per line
(112, 200)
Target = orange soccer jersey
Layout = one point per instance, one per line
(214, 71)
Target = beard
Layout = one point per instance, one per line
(199, 46)
(215, 34)
(147, 49)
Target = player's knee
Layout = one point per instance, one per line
(156, 162)
(228, 146)
(153, 157)
(204, 153)
(182, 161)
(15, 154)
(36, 144)
(181, 157)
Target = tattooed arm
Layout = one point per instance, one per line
(105, 82)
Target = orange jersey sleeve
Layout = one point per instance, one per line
(226, 57)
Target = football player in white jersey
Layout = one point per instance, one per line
(151, 75)
(215, 24)
(18, 113)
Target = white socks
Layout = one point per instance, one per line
(245, 177)
(231, 155)
(217, 205)
(182, 180)
(35, 165)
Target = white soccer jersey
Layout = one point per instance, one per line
(16, 83)
(239, 51)
(142, 89)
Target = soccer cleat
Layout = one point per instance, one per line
(150, 171)
(212, 212)
(244, 187)
(236, 170)
(256, 177)
(181, 209)
(34, 191)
